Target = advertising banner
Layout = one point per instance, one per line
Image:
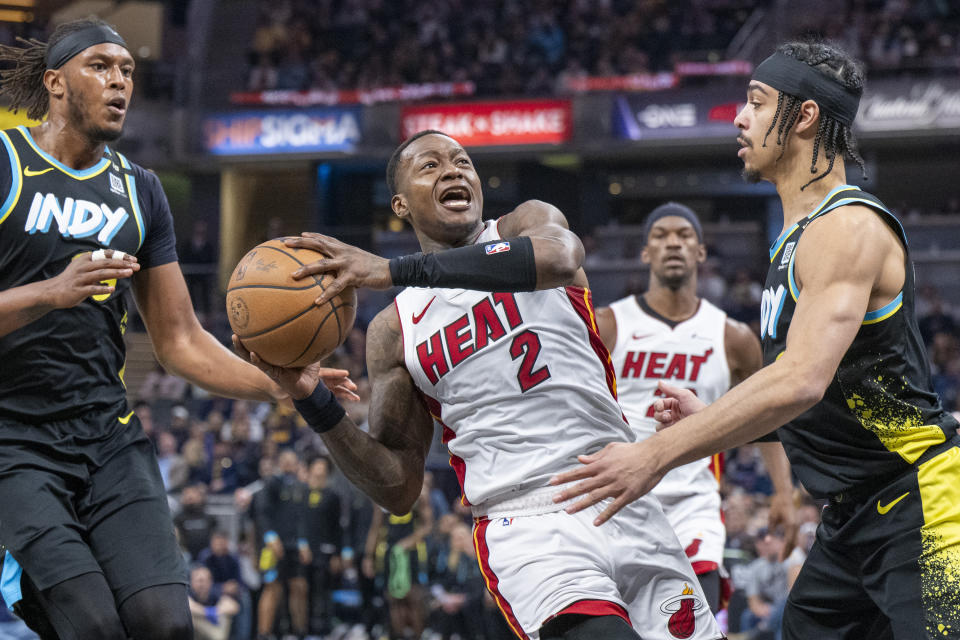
(910, 105)
(262, 132)
(676, 114)
(315, 97)
(493, 123)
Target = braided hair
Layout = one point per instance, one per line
(835, 138)
(23, 84)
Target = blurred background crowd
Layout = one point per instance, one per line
(536, 47)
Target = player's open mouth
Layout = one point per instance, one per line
(117, 106)
(456, 198)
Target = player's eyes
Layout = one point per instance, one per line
(429, 165)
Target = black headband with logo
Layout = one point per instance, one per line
(803, 81)
(58, 54)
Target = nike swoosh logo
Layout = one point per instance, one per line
(125, 419)
(417, 317)
(27, 171)
(883, 509)
(641, 336)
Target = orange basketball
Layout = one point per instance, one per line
(274, 315)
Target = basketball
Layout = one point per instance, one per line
(274, 315)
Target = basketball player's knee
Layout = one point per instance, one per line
(158, 613)
(180, 628)
(97, 623)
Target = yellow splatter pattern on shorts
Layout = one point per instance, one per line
(939, 480)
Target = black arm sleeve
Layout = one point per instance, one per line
(501, 265)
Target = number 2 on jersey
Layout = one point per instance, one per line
(527, 344)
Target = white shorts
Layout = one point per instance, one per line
(696, 519)
(539, 566)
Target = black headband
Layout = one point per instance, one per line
(58, 54)
(673, 209)
(799, 79)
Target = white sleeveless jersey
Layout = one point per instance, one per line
(691, 355)
(520, 382)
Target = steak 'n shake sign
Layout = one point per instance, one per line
(493, 123)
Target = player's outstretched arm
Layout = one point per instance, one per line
(538, 252)
(184, 347)
(83, 277)
(838, 265)
(388, 462)
(746, 358)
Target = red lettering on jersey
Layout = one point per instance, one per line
(456, 339)
(633, 364)
(486, 323)
(509, 304)
(696, 361)
(655, 365)
(432, 359)
(677, 369)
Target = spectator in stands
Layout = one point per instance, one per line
(212, 611)
(244, 455)
(438, 500)
(198, 258)
(193, 523)
(160, 386)
(945, 365)
(225, 571)
(765, 583)
(325, 537)
(280, 514)
(396, 556)
(173, 468)
(457, 588)
(198, 463)
(145, 414)
(179, 423)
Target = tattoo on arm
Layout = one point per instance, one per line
(388, 463)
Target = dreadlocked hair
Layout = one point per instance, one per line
(22, 85)
(835, 138)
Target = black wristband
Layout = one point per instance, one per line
(320, 409)
(501, 265)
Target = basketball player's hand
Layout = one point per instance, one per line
(674, 405)
(782, 516)
(352, 267)
(300, 382)
(622, 471)
(86, 276)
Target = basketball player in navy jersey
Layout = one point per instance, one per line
(495, 338)
(89, 544)
(846, 373)
(670, 336)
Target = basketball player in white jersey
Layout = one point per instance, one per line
(495, 339)
(670, 336)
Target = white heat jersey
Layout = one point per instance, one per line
(691, 355)
(520, 382)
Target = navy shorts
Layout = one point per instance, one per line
(73, 502)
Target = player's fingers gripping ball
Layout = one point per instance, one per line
(275, 316)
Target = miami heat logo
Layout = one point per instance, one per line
(682, 611)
